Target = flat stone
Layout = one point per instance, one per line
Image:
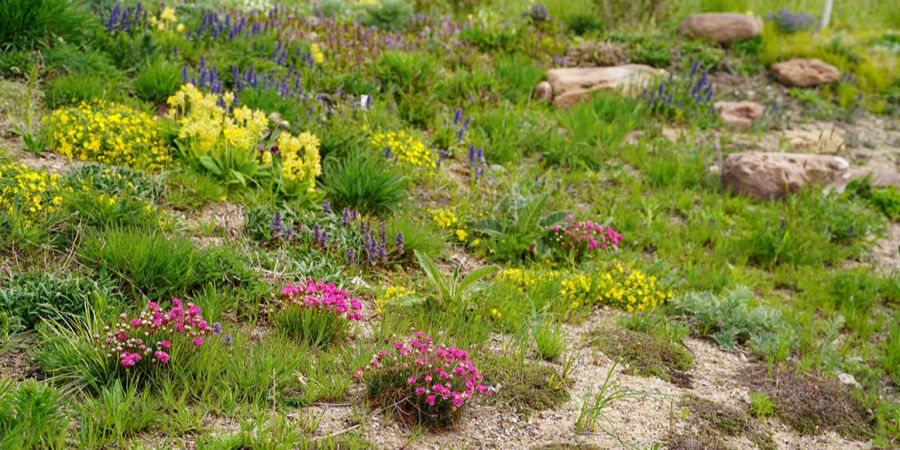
(774, 175)
(741, 114)
(568, 86)
(818, 140)
(721, 27)
(802, 72)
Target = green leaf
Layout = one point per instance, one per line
(434, 275)
(476, 275)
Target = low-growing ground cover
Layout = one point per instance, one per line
(433, 224)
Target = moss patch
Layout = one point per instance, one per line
(525, 386)
(646, 354)
(811, 403)
(711, 423)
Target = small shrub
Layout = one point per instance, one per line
(582, 24)
(388, 14)
(408, 379)
(109, 133)
(316, 312)
(31, 416)
(363, 183)
(157, 81)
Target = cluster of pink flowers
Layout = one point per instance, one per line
(149, 336)
(436, 376)
(582, 236)
(321, 295)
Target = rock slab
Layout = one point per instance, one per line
(740, 114)
(774, 175)
(568, 86)
(803, 72)
(721, 27)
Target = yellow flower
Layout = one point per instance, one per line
(317, 55)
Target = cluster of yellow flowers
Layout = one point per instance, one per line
(110, 133)
(447, 219)
(316, 52)
(204, 124)
(166, 19)
(28, 192)
(391, 294)
(405, 148)
(618, 286)
(301, 162)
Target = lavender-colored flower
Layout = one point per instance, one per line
(351, 256)
(277, 223)
(398, 241)
(228, 339)
(457, 116)
(326, 207)
(217, 327)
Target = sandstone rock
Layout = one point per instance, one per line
(721, 27)
(544, 90)
(818, 140)
(740, 114)
(773, 175)
(570, 85)
(805, 72)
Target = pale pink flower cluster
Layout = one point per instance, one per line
(148, 336)
(583, 235)
(321, 295)
(434, 374)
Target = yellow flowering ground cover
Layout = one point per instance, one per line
(28, 193)
(616, 285)
(109, 133)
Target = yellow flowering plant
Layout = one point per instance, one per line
(28, 194)
(236, 145)
(109, 133)
(616, 285)
(406, 149)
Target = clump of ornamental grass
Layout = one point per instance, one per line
(423, 383)
(316, 312)
(155, 337)
(574, 240)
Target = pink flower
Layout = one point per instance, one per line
(165, 343)
(430, 399)
(162, 356)
(358, 374)
(197, 340)
(411, 380)
(136, 321)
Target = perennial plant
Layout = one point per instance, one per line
(425, 383)
(317, 312)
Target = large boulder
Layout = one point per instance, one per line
(740, 114)
(567, 86)
(721, 27)
(803, 72)
(774, 175)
